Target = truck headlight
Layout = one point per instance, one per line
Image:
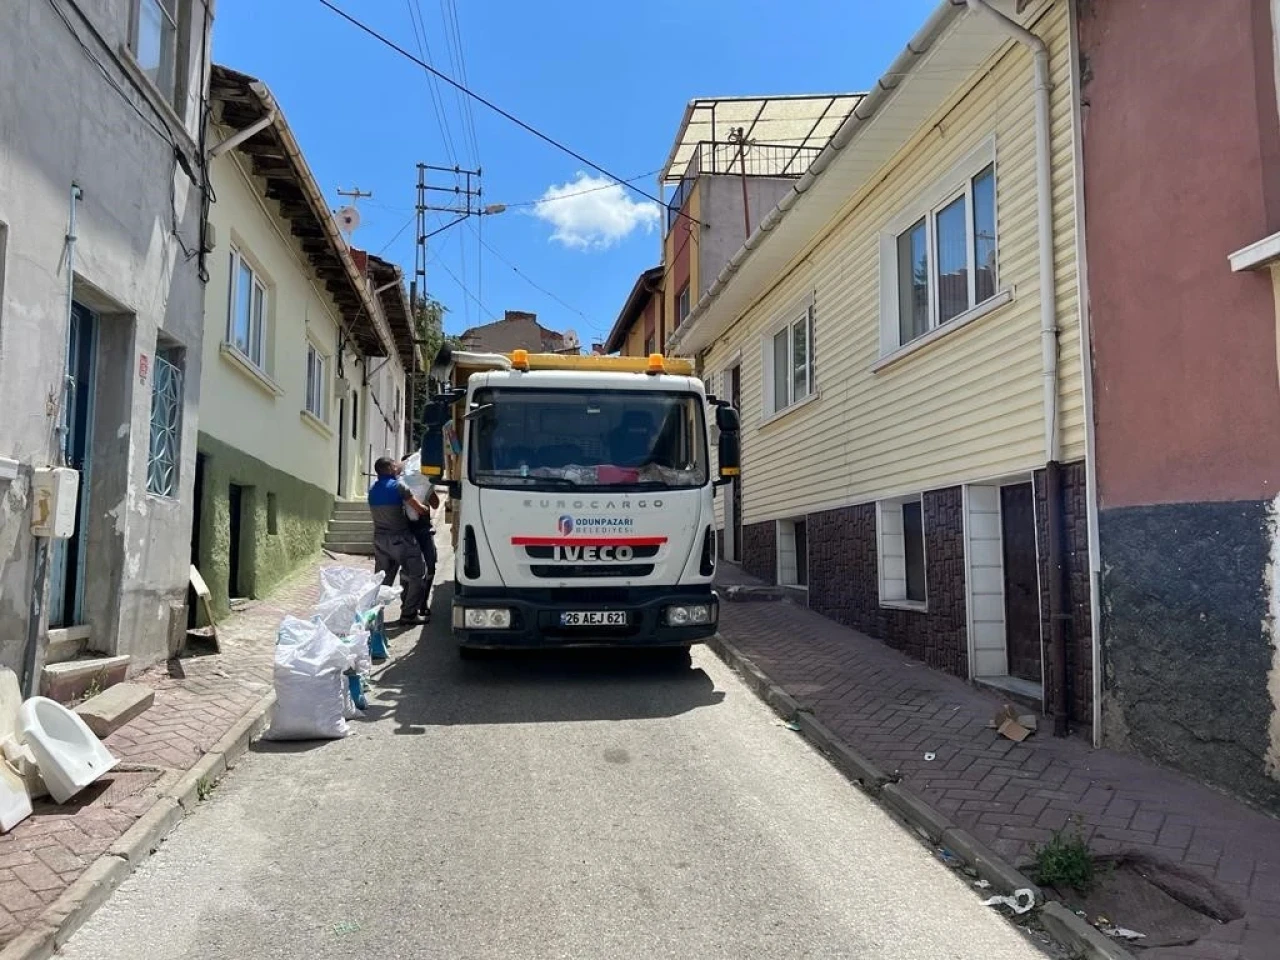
(691, 615)
(482, 618)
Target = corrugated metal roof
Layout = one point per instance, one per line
(791, 119)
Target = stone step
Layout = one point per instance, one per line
(362, 527)
(71, 679)
(353, 549)
(66, 643)
(112, 709)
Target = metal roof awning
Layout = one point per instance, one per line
(799, 120)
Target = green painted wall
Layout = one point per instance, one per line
(269, 552)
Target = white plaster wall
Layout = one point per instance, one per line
(80, 129)
(264, 416)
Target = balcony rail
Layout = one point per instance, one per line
(725, 158)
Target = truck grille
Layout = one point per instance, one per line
(548, 553)
(558, 571)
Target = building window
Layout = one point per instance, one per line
(317, 396)
(648, 345)
(355, 416)
(944, 261)
(683, 305)
(247, 314)
(166, 422)
(900, 526)
(788, 362)
(155, 42)
(793, 553)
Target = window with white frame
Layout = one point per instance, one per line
(156, 43)
(941, 262)
(788, 361)
(900, 526)
(317, 395)
(683, 304)
(247, 314)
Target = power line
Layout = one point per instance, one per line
(493, 106)
(594, 325)
(437, 101)
(577, 193)
(463, 287)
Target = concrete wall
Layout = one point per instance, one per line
(724, 229)
(139, 210)
(268, 553)
(383, 430)
(1181, 146)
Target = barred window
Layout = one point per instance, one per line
(166, 422)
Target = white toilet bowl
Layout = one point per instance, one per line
(69, 755)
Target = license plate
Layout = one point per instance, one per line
(593, 618)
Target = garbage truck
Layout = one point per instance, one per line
(581, 497)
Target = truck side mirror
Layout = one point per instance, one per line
(730, 454)
(727, 420)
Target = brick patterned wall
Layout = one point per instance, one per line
(844, 581)
(1080, 628)
(760, 550)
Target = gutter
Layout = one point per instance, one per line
(920, 44)
(1055, 512)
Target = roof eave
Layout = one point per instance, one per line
(641, 290)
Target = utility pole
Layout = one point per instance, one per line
(356, 194)
(463, 202)
(738, 135)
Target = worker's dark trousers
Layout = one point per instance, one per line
(399, 553)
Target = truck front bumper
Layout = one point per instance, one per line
(537, 617)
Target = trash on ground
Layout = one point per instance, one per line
(931, 757)
(1013, 725)
(949, 858)
(791, 725)
(982, 884)
(346, 926)
(1123, 933)
(310, 682)
(1021, 901)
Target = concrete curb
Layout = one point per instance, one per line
(1074, 932)
(62, 918)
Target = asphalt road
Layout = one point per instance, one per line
(577, 807)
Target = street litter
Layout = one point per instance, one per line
(931, 756)
(1013, 725)
(950, 859)
(346, 926)
(791, 725)
(1123, 933)
(982, 884)
(1020, 902)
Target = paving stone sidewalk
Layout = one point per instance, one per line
(198, 700)
(1013, 796)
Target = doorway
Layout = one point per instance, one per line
(238, 501)
(1021, 581)
(197, 512)
(67, 563)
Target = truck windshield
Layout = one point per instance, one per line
(590, 439)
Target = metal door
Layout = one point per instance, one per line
(67, 562)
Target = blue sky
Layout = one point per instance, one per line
(608, 79)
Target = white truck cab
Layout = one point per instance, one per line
(582, 498)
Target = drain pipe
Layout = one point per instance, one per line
(1058, 616)
(35, 610)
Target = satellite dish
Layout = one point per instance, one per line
(348, 220)
(571, 339)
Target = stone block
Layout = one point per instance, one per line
(113, 708)
(65, 682)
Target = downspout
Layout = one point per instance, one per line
(240, 136)
(1049, 361)
(36, 608)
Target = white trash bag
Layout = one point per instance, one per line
(310, 666)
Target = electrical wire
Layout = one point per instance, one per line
(463, 287)
(576, 193)
(420, 35)
(592, 324)
(391, 44)
(396, 236)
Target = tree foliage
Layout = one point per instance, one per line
(428, 319)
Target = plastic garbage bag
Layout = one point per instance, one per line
(309, 674)
(358, 586)
(1020, 902)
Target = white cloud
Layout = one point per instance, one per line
(594, 212)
